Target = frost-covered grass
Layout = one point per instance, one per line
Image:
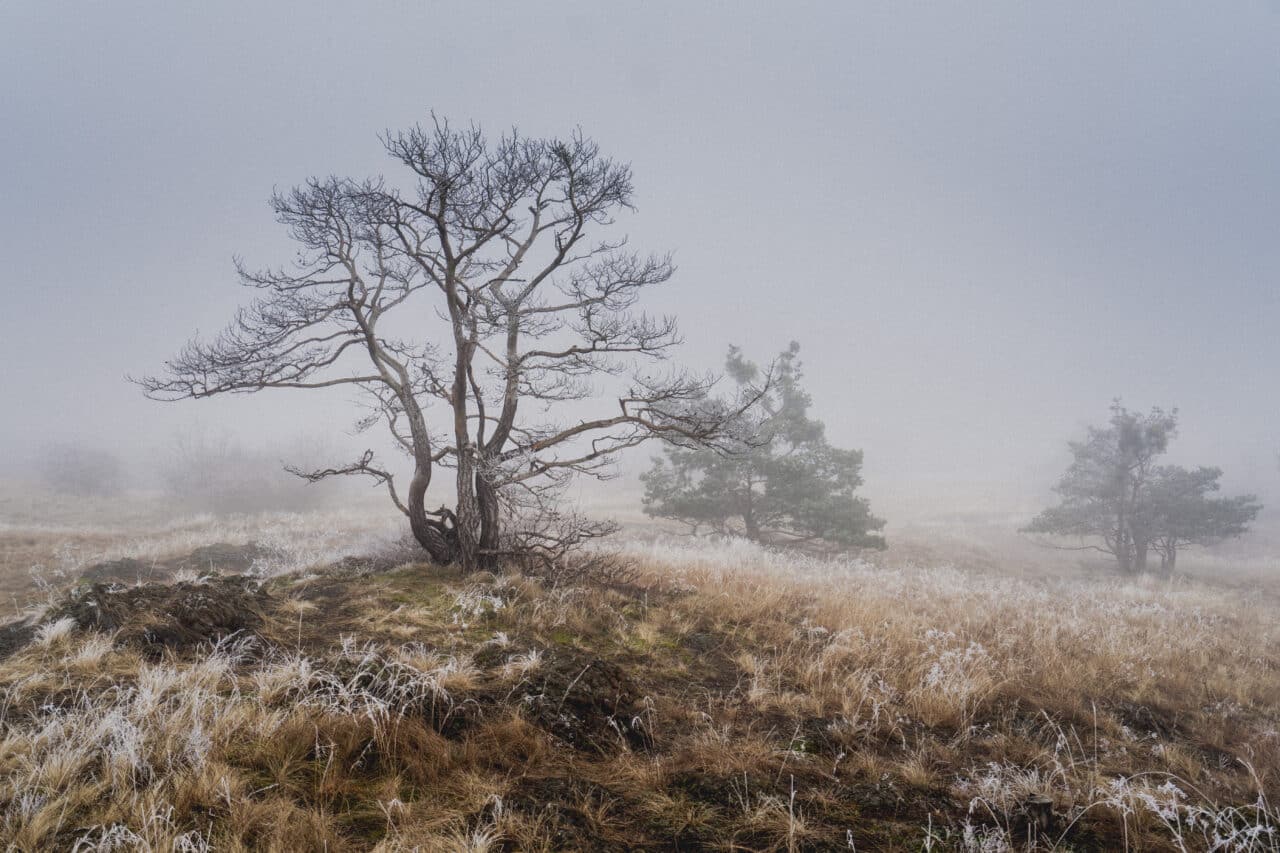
(37, 559)
(1149, 702)
(121, 760)
(787, 702)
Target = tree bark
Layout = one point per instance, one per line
(428, 534)
(1124, 553)
(468, 522)
(749, 514)
(1139, 556)
(488, 509)
(434, 536)
(1124, 545)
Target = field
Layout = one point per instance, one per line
(344, 696)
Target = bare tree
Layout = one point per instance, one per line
(211, 471)
(482, 290)
(74, 469)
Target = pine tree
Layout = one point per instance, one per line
(783, 482)
(1117, 500)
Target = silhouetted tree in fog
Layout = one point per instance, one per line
(1103, 489)
(207, 471)
(783, 483)
(1115, 494)
(73, 469)
(481, 291)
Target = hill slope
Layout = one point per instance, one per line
(726, 699)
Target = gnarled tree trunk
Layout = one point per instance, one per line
(468, 513)
(428, 533)
(489, 510)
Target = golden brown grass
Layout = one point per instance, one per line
(784, 703)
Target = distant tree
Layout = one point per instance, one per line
(467, 306)
(1115, 494)
(207, 471)
(73, 469)
(1103, 489)
(783, 482)
(1182, 513)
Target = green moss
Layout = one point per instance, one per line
(562, 637)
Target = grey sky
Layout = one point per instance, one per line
(981, 221)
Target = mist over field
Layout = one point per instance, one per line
(579, 426)
(981, 224)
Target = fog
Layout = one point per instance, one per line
(981, 224)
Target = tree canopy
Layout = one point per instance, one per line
(782, 482)
(1117, 500)
(1181, 511)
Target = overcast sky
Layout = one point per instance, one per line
(981, 221)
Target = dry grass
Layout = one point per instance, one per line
(781, 703)
(46, 541)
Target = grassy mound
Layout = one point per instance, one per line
(733, 700)
(159, 616)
